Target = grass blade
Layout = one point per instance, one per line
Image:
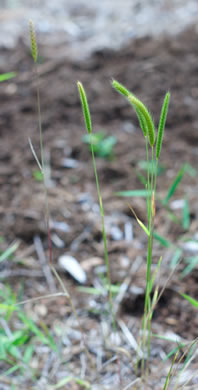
(175, 259)
(170, 371)
(191, 300)
(186, 215)
(174, 185)
(139, 222)
(9, 251)
(7, 76)
(192, 264)
(163, 241)
(134, 193)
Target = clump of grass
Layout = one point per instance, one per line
(148, 128)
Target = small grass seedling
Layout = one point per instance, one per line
(102, 145)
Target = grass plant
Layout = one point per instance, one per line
(148, 128)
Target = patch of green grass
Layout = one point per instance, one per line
(17, 342)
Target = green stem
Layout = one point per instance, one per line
(103, 232)
(148, 179)
(39, 118)
(147, 306)
(47, 214)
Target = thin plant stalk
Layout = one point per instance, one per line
(88, 125)
(103, 229)
(42, 165)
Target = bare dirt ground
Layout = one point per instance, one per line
(148, 68)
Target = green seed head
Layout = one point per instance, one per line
(142, 122)
(120, 88)
(85, 107)
(33, 41)
(143, 112)
(162, 123)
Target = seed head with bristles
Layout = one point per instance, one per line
(142, 110)
(85, 107)
(162, 123)
(33, 41)
(120, 88)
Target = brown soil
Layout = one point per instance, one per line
(148, 68)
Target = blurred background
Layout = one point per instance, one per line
(94, 24)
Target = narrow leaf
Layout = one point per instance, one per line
(7, 76)
(193, 261)
(186, 215)
(170, 371)
(155, 273)
(9, 251)
(174, 185)
(139, 222)
(175, 259)
(134, 193)
(163, 241)
(63, 382)
(190, 170)
(31, 326)
(193, 301)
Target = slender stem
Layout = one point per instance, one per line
(47, 214)
(39, 117)
(103, 231)
(148, 178)
(147, 306)
(149, 260)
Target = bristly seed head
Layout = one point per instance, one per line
(120, 88)
(141, 108)
(162, 123)
(85, 107)
(33, 41)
